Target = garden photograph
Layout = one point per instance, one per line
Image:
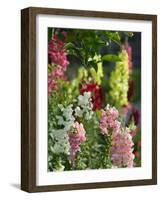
(94, 99)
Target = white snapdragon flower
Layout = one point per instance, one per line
(68, 112)
(66, 119)
(60, 120)
(84, 99)
(61, 140)
(107, 107)
(68, 124)
(78, 111)
(85, 106)
(88, 115)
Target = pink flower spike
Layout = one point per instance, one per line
(76, 137)
(109, 120)
(122, 152)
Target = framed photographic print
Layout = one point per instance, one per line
(88, 99)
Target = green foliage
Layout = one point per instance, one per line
(113, 36)
(50, 33)
(129, 34)
(96, 75)
(137, 148)
(94, 153)
(111, 57)
(136, 77)
(132, 125)
(82, 74)
(85, 44)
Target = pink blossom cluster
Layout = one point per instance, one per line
(52, 84)
(56, 52)
(76, 137)
(122, 151)
(109, 120)
(58, 59)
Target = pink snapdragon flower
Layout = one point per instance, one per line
(109, 120)
(58, 59)
(58, 72)
(56, 52)
(52, 85)
(122, 151)
(76, 137)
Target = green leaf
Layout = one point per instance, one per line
(116, 37)
(129, 34)
(50, 32)
(111, 57)
(69, 45)
(93, 73)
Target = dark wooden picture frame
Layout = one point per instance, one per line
(28, 98)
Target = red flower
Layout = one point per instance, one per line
(137, 154)
(96, 92)
(139, 143)
(131, 111)
(136, 115)
(131, 89)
